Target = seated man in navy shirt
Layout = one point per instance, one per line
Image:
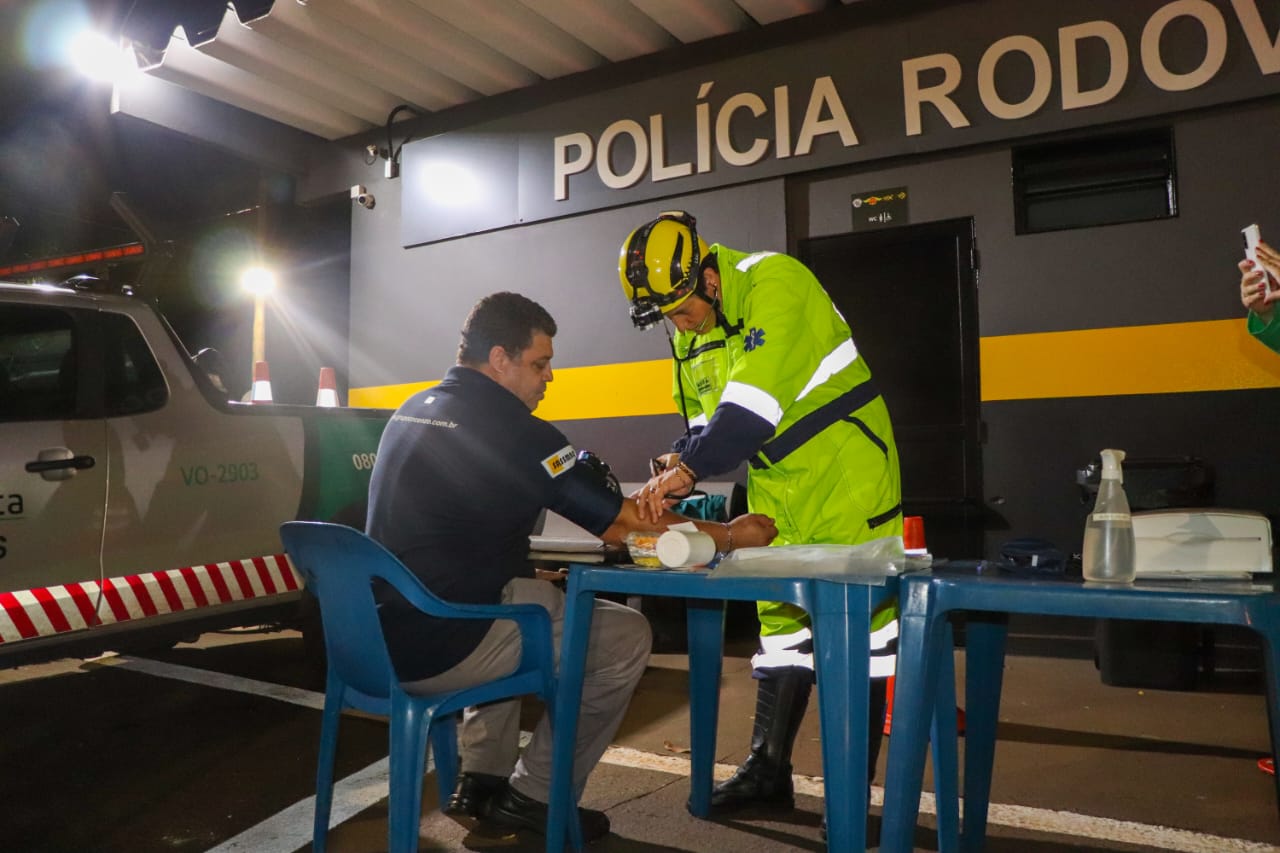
(463, 471)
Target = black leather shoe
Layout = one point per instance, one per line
(512, 810)
(474, 790)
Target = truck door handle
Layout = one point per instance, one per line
(80, 463)
(59, 463)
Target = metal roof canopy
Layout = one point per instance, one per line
(337, 68)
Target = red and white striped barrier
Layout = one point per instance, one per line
(47, 611)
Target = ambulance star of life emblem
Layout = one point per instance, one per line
(753, 340)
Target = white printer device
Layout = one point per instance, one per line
(1201, 543)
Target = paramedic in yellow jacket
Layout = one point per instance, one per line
(766, 372)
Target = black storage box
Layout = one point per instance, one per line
(1140, 653)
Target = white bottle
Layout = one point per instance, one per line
(1108, 534)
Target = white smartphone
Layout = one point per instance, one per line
(1251, 237)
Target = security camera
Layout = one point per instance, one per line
(363, 197)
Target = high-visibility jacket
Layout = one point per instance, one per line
(828, 472)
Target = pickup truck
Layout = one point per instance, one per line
(138, 505)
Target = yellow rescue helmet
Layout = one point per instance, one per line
(659, 266)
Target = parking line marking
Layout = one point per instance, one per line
(1015, 817)
(207, 678)
(290, 829)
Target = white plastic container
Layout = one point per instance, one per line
(1108, 534)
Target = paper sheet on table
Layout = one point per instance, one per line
(565, 544)
(557, 533)
(868, 564)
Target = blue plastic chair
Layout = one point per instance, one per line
(339, 565)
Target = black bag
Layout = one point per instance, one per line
(1030, 557)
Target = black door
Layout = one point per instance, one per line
(910, 296)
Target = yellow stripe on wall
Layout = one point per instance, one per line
(629, 389)
(385, 396)
(1214, 355)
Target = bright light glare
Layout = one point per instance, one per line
(258, 280)
(96, 56)
(47, 30)
(450, 185)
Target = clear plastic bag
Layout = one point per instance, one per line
(868, 564)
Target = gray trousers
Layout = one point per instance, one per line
(489, 737)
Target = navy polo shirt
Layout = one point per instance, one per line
(463, 471)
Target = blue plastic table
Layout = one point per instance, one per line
(841, 616)
(925, 671)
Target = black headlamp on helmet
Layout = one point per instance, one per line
(659, 266)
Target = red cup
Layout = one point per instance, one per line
(913, 532)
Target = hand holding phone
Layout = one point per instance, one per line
(1252, 235)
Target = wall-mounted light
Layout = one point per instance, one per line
(100, 58)
(392, 152)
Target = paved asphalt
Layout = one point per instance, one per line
(211, 747)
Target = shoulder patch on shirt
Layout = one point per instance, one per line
(560, 461)
(753, 340)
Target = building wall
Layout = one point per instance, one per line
(407, 306)
(1124, 336)
(1175, 276)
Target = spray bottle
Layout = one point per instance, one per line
(1108, 534)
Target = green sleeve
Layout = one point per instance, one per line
(1266, 333)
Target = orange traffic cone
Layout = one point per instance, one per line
(261, 383)
(328, 393)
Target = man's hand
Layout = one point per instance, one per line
(653, 496)
(752, 530)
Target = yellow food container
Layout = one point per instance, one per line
(643, 548)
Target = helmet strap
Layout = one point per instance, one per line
(716, 302)
(730, 329)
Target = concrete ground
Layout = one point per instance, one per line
(1079, 767)
(210, 748)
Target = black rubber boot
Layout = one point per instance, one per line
(764, 779)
